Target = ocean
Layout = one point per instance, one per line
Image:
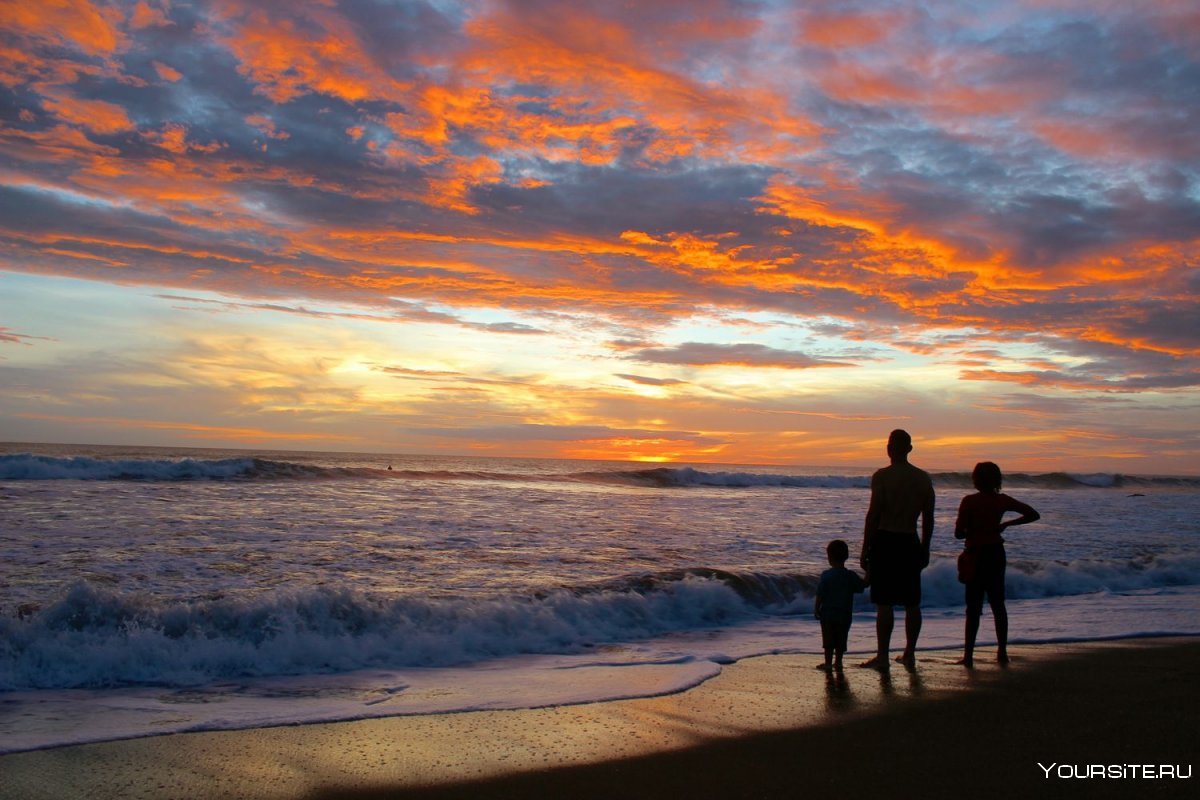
(150, 590)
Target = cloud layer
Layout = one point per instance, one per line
(960, 201)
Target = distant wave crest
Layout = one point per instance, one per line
(688, 476)
(29, 467)
(26, 466)
(1075, 480)
(683, 477)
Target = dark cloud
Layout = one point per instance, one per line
(648, 381)
(9, 336)
(744, 354)
(446, 377)
(401, 312)
(1088, 378)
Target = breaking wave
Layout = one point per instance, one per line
(92, 636)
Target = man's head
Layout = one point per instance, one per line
(899, 445)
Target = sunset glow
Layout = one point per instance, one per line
(724, 232)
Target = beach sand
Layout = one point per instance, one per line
(772, 726)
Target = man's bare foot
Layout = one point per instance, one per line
(878, 662)
(907, 659)
(1002, 658)
(824, 667)
(966, 661)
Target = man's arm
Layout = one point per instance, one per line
(927, 525)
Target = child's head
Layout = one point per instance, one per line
(837, 552)
(987, 477)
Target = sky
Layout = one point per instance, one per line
(712, 231)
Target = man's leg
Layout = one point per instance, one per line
(885, 620)
(912, 609)
(912, 630)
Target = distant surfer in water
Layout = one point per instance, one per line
(892, 555)
(981, 567)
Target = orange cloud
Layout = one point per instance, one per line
(880, 249)
(866, 84)
(267, 126)
(594, 67)
(93, 28)
(312, 49)
(174, 139)
(120, 245)
(166, 72)
(146, 16)
(836, 30)
(97, 116)
(60, 144)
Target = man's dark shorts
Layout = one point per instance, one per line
(895, 561)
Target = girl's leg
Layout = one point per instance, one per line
(974, 612)
(999, 610)
(1000, 613)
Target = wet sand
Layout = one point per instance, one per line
(766, 727)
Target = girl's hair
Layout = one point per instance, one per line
(987, 477)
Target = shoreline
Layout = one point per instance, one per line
(766, 726)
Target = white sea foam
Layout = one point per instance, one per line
(94, 636)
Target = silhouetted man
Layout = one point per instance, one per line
(891, 553)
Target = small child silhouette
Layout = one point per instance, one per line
(835, 604)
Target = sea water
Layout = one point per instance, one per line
(148, 591)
